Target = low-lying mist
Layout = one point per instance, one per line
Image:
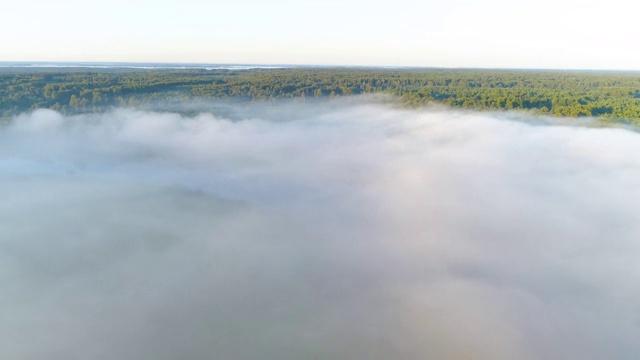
(339, 230)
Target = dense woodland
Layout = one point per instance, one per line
(612, 95)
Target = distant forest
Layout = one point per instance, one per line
(610, 95)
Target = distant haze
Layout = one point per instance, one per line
(460, 33)
(331, 230)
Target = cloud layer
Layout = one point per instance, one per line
(326, 231)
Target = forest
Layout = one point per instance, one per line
(613, 96)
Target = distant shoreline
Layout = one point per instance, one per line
(137, 66)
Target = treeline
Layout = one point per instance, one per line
(560, 93)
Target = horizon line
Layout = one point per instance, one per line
(292, 65)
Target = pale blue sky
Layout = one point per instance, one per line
(456, 33)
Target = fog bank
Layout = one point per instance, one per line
(340, 230)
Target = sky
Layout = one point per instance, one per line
(564, 34)
(345, 229)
